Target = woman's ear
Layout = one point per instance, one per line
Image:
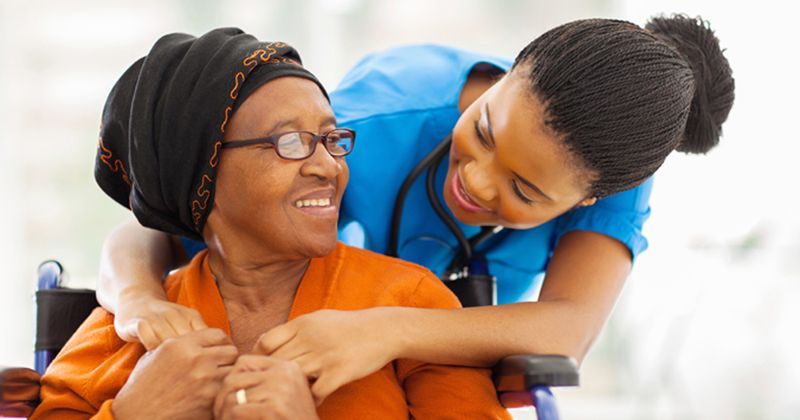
(587, 202)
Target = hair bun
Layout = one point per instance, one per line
(714, 85)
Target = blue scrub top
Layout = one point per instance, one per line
(401, 103)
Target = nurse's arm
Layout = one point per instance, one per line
(583, 280)
(133, 263)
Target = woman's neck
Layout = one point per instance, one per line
(258, 296)
(252, 286)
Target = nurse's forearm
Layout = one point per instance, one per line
(482, 336)
(584, 279)
(132, 265)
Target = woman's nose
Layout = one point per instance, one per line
(479, 182)
(321, 164)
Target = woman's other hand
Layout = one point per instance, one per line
(270, 388)
(151, 321)
(334, 348)
(180, 379)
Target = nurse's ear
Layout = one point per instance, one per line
(587, 202)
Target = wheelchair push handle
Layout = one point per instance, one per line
(525, 380)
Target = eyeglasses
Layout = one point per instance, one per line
(299, 145)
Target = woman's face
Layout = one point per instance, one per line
(266, 203)
(506, 168)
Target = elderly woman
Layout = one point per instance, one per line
(225, 122)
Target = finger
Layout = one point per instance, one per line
(163, 330)
(324, 386)
(179, 322)
(224, 355)
(146, 335)
(310, 365)
(259, 392)
(209, 337)
(275, 338)
(197, 322)
(222, 372)
(219, 403)
(274, 387)
(290, 351)
(232, 384)
(239, 380)
(254, 363)
(248, 411)
(127, 331)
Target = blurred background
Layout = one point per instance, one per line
(708, 324)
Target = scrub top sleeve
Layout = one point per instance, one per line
(191, 247)
(620, 216)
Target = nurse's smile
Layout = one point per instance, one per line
(463, 198)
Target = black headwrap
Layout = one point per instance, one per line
(164, 120)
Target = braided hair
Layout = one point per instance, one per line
(621, 98)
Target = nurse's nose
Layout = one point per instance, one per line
(480, 183)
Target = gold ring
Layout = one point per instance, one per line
(241, 397)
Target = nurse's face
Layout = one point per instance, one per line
(506, 167)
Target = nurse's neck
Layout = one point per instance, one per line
(480, 79)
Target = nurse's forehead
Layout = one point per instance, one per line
(529, 147)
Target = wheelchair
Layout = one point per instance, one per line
(521, 381)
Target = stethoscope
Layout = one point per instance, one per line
(466, 262)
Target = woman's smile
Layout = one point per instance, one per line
(319, 203)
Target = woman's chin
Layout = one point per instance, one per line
(318, 246)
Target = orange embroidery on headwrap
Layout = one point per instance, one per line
(204, 194)
(250, 61)
(235, 90)
(265, 55)
(268, 58)
(117, 166)
(225, 122)
(215, 157)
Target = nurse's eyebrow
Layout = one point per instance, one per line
(489, 122)
(530, 185)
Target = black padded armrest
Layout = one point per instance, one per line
(520, 373)
(19, 391)
(59, 312)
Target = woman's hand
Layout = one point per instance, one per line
(150, 320)
(180, 379)
(273, 389)
(334, 347)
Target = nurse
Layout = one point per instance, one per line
(557, 147)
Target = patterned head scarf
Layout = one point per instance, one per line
(164, 121)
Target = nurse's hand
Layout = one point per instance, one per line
(150, 321)
(334, 348)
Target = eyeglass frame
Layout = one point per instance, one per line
(273, 141)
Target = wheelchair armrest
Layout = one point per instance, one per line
(523, 372)
(19, 391)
